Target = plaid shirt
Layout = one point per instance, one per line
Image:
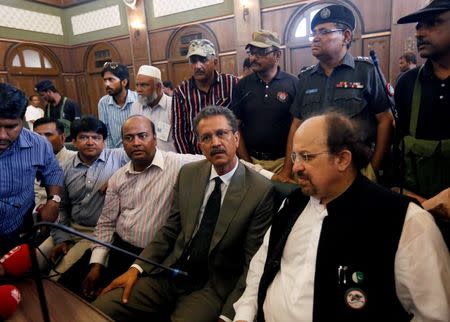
(187, 102)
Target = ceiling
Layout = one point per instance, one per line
(61, 3)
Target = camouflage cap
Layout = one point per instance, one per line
(264, 39)
(201, 47)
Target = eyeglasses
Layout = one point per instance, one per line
(305, 156)
(110, 64)
(322, 32)
(260, 52)
(130, 137)
(220, 134)
(84, 138)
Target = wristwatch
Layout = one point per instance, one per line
(54, 198)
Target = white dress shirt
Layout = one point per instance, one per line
(161, 116)
(32, 114)
(422, 271)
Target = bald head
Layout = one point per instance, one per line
(141, 119)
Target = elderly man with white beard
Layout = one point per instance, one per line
(153, 103)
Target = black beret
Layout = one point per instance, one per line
(336, 14)
(435, 8)
(44, 86)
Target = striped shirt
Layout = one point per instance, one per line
(188, 101)
(138, 203)
(114, 116)
(28, 155)
(81, 202)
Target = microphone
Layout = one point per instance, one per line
(9, 300)
(17, 261)
(388, 88)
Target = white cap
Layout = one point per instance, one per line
(151, 71)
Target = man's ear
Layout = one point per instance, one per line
(347, 37)
(343, 160)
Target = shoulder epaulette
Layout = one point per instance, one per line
(364, 59)
(305, 69)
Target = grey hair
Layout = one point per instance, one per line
(213, 110)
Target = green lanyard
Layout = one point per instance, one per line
(61, 111)
(415, 106)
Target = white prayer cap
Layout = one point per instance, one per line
(151, 71)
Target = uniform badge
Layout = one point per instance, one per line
(358, 277)
(390, 89)
(355, 298)
(282, 96)
(325, 13)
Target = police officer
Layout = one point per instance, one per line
(423, 100)
(343, 83)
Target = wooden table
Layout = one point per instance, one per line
(63, 305)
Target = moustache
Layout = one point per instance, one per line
(421, 42)
(302, 176)
(5, 142)
(217, 151)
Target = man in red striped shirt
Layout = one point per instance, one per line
(206, 87)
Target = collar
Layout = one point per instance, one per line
(77, 161)
(164, 102)
(278, 75)
(158, 161)
(62, 151)
(216, 79)
(427, 70)
(348, 60)
(23, 141)
(349, 195)
(129, 99)
(226, 178)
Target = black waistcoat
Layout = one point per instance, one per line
(354, 278)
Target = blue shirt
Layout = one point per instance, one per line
(114, 116)
(81, 202)
(28, 155)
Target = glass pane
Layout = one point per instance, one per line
(31, 58)
(47, 64)
(16, 61)
(301, 29)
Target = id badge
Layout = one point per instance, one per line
(162, 131)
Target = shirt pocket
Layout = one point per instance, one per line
(311, 104)
(349, 101)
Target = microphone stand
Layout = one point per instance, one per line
(38, 281)
(36, 271)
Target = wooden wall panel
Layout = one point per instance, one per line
(277, 20)
(123, 46)
(4, 46)
(301, 57)
(82, 91)
(224, 31)
(376, 14)
(228, 64)
(164, 70)
(70, 87)
(158, 44)
(64, 56)
(381, 46)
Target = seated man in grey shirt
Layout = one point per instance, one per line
(85, 178)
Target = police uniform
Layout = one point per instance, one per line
(353, 89)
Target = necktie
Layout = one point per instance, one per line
(201, 242)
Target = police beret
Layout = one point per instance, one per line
(336, 14)
(435, 8)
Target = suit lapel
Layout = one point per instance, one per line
(196, 196)
(231, 204)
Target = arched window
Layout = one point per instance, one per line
(31, 60)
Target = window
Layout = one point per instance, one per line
(32, 60)
(303, 26)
